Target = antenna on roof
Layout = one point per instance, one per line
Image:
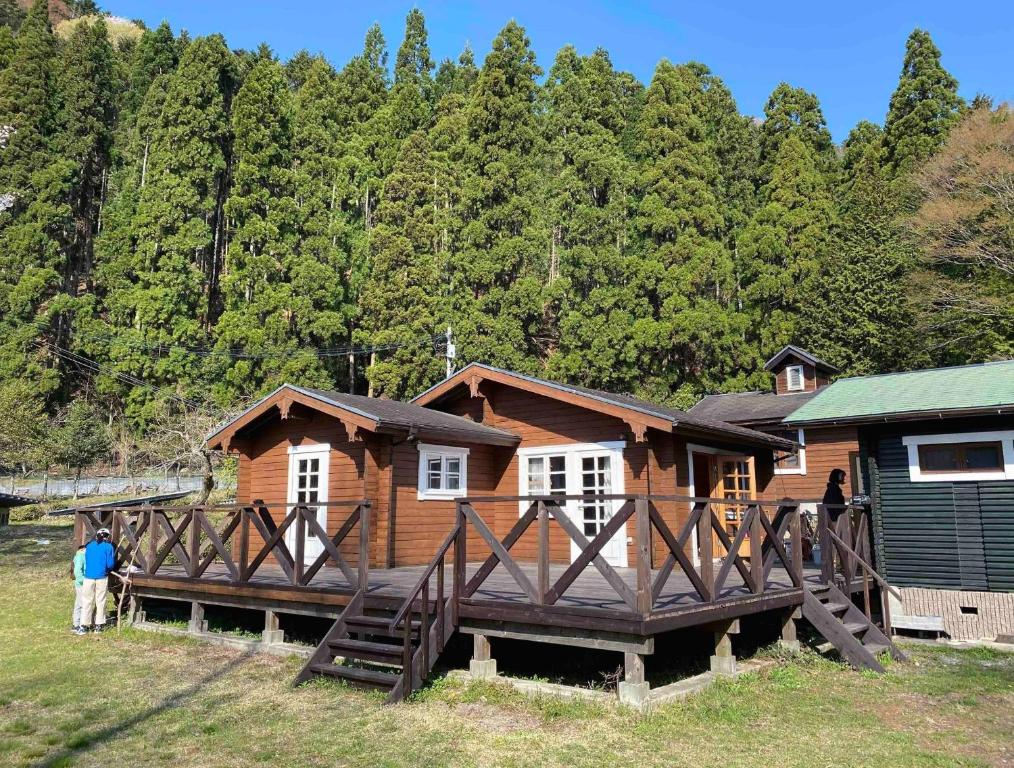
(450, 354)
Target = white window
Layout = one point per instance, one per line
(791, 462)
(960, 456)
(443, 471)
(794, 381)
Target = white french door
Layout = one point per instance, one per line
(308, 478)
(580, 470)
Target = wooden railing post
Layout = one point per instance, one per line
(543, 563)
(824, 541)
(194, 548)
(458, 577)
(642, 526)
(152, 539)
(705, 549)
(244, 541)
(364, 546)
(299, 557)
(757, 549)
(796, 535)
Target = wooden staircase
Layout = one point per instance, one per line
(856, 637)
(393, 652)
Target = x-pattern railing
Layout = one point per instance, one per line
(768, 541)
(168, 540)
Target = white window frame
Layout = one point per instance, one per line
(788, 378)
(573, 453)
(801, 469)
(312, 546)
(916, 475)
(428, 451)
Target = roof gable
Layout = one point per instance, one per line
(639, 414)
(358, 412)
(790, 350)
(969, 388)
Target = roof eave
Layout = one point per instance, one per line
(877, 418)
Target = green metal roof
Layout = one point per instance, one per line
(965, 388)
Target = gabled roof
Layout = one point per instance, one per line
(10, 500)
(965, 390)
(794, 351)
(750, 407)
(371, 414)
(640, 414)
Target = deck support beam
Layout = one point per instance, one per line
(723, 661)
(789, 640)
(272, 633)
(135, 611)
(633, 690)
(482, 666)
(198, 624)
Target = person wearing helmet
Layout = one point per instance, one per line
(100, 560)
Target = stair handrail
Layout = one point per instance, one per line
(427, 573)
(866, 566)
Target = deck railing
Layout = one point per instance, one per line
(770, 532)
(185, 541)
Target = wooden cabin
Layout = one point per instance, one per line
(500, 505)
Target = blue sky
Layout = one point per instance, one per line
(849, 54)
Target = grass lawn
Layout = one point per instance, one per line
(136, 698)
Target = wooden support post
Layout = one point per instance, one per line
(152, 539)
(299, 557)
(483, 665)
(458, 576)
(824, 542)
(198, 624)
(788, 639)
(642, 527)
(723, 662)
(272, 633)
(756, 550)
(543, 565)
(796, 535)
(135, 611)
(705, 550)
(194, 545)
(633, 690)
(364, 546)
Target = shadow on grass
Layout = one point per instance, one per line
(87, 742)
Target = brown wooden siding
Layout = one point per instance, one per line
(827, 448)
(811, 377)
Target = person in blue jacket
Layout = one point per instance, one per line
(100, 561)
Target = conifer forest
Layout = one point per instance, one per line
(186, 223)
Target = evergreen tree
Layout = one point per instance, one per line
(858, 310)
(400, 301)
(6, 46)
(176, 267)
(864, 138)
(499, 267)
(785, 243)
(795, 112)
(688, 330)
(155, 54)
(587, 209)
(924, 106)
(11, 15)
(413, 82)
(262, 216)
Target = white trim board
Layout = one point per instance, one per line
(915, 473)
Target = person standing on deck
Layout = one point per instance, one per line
(833, 496)
(78, 572)
(100, 560)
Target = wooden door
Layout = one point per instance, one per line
(735, 486)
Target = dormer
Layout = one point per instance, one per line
(796, 370)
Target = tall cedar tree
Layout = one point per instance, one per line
(688, 329)
(262, 220)
(785, 243)
(587, 207)
(34, 216)
(176, 267)
(924, 106)
(795, 112)
(500, 265)
(400, 303)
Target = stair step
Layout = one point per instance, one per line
(377, 625)
(350, 648)
(855, 627)
(837, 607)
(366, 678)
(877, 648)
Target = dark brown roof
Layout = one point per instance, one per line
(750, 407)
(675, 416)
(9, 500)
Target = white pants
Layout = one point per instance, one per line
(78, 603)
(93, 602)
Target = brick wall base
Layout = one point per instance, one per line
(962, 615)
